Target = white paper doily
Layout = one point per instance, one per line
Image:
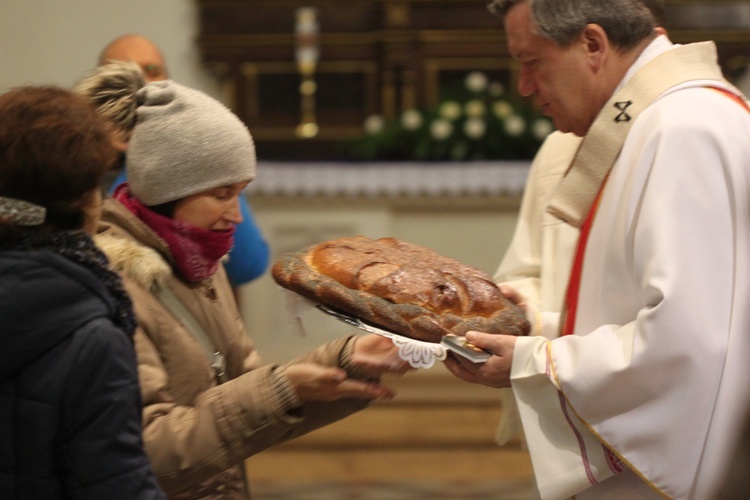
(417, 353)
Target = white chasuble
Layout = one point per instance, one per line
(647, 395)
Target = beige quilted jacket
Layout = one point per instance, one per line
(197, 432)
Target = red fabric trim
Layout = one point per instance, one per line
(732, 96)
(567, 322)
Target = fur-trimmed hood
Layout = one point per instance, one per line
(132, 260)
(134, 250)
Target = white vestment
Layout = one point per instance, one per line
(648, 394)
(537, 262)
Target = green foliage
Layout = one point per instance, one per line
(474, 121)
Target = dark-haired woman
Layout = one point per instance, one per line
(70, 407)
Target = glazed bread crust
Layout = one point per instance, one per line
(405, 288)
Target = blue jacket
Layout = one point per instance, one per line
(70, 407)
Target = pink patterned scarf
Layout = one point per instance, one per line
(197, 252)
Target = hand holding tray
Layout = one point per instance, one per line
(417, 353)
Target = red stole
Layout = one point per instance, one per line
(568, 318)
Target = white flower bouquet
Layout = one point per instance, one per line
(477, 121)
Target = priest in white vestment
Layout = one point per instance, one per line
(644, 393)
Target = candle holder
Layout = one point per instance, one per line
(307, 55)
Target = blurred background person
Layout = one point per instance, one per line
(140, 50)
(70, 405)
(249, 257)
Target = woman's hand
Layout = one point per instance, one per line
(373, 355)
(314, 382)
(495, 372)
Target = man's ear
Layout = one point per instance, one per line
(595, 44)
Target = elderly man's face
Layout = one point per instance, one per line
(559, 79)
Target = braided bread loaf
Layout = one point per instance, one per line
(405, 288)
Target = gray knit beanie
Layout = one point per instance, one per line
(184, 143)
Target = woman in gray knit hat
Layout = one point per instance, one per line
(209, 400)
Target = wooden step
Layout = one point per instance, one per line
(438, 428)
(408, 425)
(389, 465)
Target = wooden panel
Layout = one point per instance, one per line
(242, 17)
(438, 429)
(400, 54)
(408, 425)
(347, 93)
(356, 466)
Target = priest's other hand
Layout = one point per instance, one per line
(495, 372)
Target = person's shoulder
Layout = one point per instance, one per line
(560, 142)
(121, 236)
(554, 156)
(102, 362)
(697, 108)
(100, 338)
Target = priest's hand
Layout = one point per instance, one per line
(514, 296)
(495, 372)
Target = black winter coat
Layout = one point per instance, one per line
(70, 409)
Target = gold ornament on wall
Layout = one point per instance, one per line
(307, 55)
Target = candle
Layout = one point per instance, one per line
(306, 30)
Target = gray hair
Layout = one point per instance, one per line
(626, 22)
(112, 89)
